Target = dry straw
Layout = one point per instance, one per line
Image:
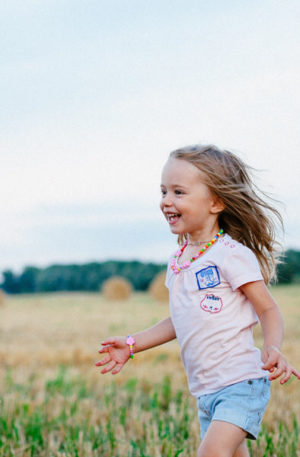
(158, 289)
(117, 288)
(2, 297)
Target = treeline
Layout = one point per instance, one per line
(90, 277)
(289, 270)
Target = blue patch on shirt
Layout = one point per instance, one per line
(208, 277)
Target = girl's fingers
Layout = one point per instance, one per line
(103, 361)
(296, 372)
(110, 341)
(285, 369)
(277, 365)
(270, 363)
(290, 370)
(104, 349)
(117, 368)
(282, 368)
(275, 375)
(287, 376)
(109, 367)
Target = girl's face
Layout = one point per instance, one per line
(187, 203)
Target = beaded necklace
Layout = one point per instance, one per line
(178, 268)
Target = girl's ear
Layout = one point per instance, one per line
(217, 205)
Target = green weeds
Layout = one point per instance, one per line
(68, 418)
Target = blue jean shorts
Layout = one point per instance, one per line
(242, 404)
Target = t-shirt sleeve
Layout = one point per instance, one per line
(241, 267)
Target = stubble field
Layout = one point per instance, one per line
(55, 402)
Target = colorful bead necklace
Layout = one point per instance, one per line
(177, 268)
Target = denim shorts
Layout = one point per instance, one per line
(242, 404)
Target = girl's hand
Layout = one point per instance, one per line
(118, 353)
(277, 365)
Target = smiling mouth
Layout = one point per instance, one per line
(172, 218)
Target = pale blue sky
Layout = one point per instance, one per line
(95, 94)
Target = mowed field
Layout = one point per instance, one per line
(55, 402)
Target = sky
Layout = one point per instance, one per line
(95, 95)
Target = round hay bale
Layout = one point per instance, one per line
(2, 297)
(157, 288)
(116, 288)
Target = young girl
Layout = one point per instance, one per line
(217, 284)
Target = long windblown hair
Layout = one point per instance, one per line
(248, 217)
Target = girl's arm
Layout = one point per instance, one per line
(272, 326)
(118, 351)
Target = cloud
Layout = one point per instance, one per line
(95, 96)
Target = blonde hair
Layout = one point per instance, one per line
(247, 216)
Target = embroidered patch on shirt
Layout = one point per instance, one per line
(208, 277)
(211, 303)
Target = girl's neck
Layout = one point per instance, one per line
(203, 236)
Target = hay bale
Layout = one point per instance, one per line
(2, 297)
(116, 288)
(157, 288)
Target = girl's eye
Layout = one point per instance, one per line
(178, 192)
(163, 192)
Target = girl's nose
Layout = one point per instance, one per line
(167, 201)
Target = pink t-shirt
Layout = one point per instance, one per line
(213, 319)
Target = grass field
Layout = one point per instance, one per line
(54, 402)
